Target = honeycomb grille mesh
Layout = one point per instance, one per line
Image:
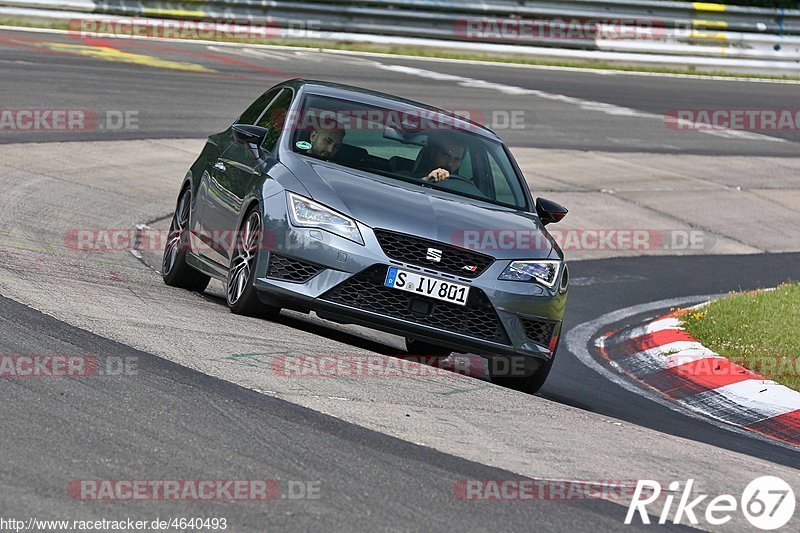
(414, 250)
(366, 291)
(539, 330)
(290, 269)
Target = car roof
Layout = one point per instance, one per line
(368, 96)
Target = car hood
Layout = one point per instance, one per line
(386, 203)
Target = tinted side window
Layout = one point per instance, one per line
(506, 185)
(252, 113)
(465, 171)
(274, 119)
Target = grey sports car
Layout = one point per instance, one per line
(371, 209)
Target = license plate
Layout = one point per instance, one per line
(427, 286)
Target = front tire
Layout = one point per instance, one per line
(417, 347)
(241, 294)
(174, 270)
(531, 382)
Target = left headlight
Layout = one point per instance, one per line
(307, 213)
(544, 272)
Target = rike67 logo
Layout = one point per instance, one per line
(767, 502)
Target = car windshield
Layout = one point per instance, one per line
(408, 145)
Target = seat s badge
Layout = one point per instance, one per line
(434, 255)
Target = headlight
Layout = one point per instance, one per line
(307, 213)
(544, 272)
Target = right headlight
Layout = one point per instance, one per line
(544, 272)
(307, 213)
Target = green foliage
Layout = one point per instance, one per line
(758, 330)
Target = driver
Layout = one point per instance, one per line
(442, 156)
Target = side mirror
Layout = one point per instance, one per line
(550, 212)
(247, 134)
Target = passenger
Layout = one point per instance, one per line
(441, 157)
(325, 143)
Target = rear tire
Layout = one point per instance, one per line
(174, 270)
(241, 294)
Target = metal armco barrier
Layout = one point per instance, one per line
(631, 31)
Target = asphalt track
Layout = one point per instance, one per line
(203, 86)
(171, 421)
(175, 422)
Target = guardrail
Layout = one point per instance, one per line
(646, 30)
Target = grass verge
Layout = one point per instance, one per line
(760, 331)
(443, 53)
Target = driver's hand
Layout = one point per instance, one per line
(439, 174)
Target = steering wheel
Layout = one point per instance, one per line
(460, 184)
(456, 177)
(451, 177)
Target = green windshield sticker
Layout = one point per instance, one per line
(303, 145)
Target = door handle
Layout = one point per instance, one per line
(219, 165)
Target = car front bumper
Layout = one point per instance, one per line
(342, 281)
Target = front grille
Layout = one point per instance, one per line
(290, 269)
(366, 291)
(414, 250)
(539, 330)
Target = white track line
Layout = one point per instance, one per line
(767, 398)
(579, 338)
(586, 105)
